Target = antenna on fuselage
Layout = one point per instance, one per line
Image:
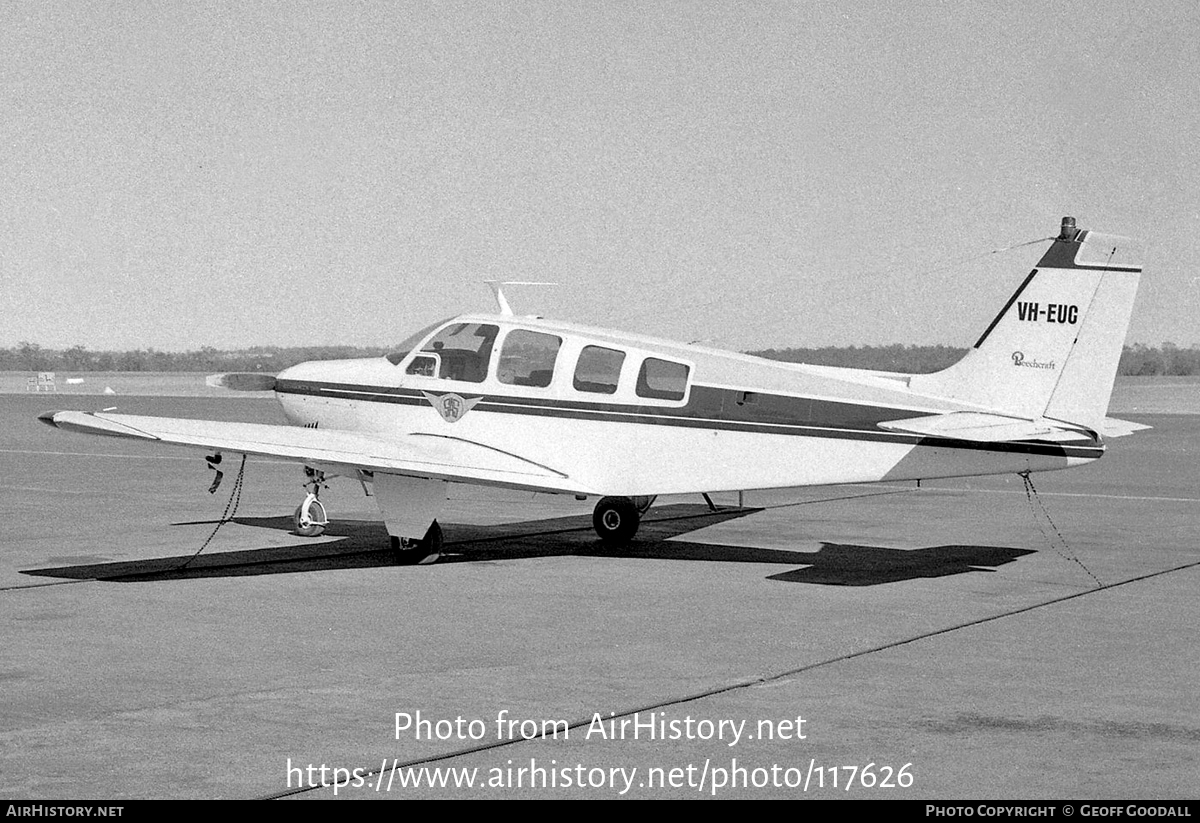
(497, 289)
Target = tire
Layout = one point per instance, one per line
(316, 512)
(616, 520)
(418, 552)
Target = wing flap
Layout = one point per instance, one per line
(414, 455)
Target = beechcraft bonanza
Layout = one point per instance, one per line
(526, 403)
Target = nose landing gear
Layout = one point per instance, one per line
(309, 518)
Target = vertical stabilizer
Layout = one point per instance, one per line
(1053, 350)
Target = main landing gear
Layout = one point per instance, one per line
(310, 519)
(616, 519)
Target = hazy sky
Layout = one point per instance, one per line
(175, 175)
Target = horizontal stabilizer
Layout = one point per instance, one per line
(984, 428)
(1112, 427)
(242, 381)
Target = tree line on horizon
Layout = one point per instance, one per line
(1138, 359)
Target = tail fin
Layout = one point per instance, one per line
(1053, 350)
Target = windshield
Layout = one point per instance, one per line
(410, 343)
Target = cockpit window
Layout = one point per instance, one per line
(527, 358)
(424, 365)
(662, 380)
(598, 370)
(412, 340)
(460, 351)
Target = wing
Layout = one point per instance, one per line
(414, 455)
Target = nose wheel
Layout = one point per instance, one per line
(309, 519)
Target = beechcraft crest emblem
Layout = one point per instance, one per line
(452, 407)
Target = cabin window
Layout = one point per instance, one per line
(527, 358)
(458, 352)
(598, 369)
(662, 380)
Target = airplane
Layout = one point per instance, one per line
(522, 402)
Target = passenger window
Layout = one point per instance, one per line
(598, 369)
(662, 380)
(458, 352)
(527, 358)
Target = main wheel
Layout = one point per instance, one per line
(616, 520)
(311, 524)
(409, 552)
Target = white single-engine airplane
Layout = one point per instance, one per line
(526, 403)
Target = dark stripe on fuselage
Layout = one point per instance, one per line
(708, 407)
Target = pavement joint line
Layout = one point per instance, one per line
(97, 454)
(835, 499)
(744, 684)
(1083, 494)
(961, 490)
(138, 456)
(44, 585)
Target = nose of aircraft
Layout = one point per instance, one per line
(287, 374)
(369, 370)
(308, 370)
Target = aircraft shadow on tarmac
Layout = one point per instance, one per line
(359, 544)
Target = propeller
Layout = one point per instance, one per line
(242, 381)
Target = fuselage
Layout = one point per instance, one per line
(631, 415)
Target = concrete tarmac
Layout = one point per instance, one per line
(953, 641)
